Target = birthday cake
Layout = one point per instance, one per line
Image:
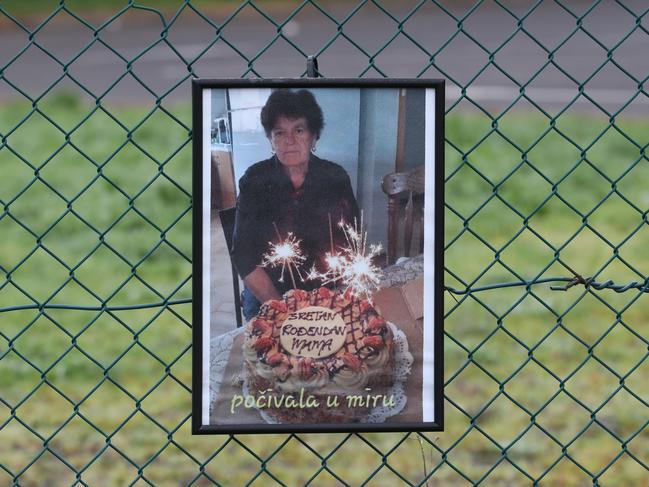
(318, 357)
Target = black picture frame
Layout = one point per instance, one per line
(202, 203)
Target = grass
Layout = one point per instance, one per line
(529, 372)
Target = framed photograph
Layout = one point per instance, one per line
(318, 255)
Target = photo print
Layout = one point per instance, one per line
(318, 252)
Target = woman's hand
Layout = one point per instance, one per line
(261, 285)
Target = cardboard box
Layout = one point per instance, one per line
(404, 307)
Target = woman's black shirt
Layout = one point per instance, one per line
(267, 196)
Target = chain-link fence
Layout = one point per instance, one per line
(545, 180)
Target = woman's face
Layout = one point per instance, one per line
(291, 140)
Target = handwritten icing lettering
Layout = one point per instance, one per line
(302, 345)
(311, 331)
(312, 315)
(314, 331)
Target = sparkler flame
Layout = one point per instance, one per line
(286, 253)
(334, 261)
(352, 266)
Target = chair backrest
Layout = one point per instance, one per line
(227, 223)
(399, 186)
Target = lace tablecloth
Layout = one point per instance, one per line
(220, 348)
(405, 270)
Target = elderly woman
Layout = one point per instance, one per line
(294, 191)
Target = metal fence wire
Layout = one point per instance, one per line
(543, 385)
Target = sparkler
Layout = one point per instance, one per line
(286, 253)
(333, 272)
(359, 274)
(334, 263)
(353, 265)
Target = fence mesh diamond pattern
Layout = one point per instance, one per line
(546, 227)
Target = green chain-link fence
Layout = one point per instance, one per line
(542, 386)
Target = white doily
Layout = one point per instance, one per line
(405, 271)
(402, 366)
(220, 348)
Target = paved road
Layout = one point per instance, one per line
(460, 57)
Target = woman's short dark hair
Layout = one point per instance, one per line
(292, 104)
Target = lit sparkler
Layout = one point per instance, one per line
(352, 266)
(359, 274)
(286, 253)
(334, 262)
(333, 272)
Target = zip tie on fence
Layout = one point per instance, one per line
(312, 67)
(588, 283)
(609, 284)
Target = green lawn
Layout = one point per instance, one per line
(571, 364)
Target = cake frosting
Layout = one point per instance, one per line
(323, 343)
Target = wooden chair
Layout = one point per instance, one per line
(227, 223)
(405, 192)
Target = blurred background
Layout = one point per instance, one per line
(545, 170)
